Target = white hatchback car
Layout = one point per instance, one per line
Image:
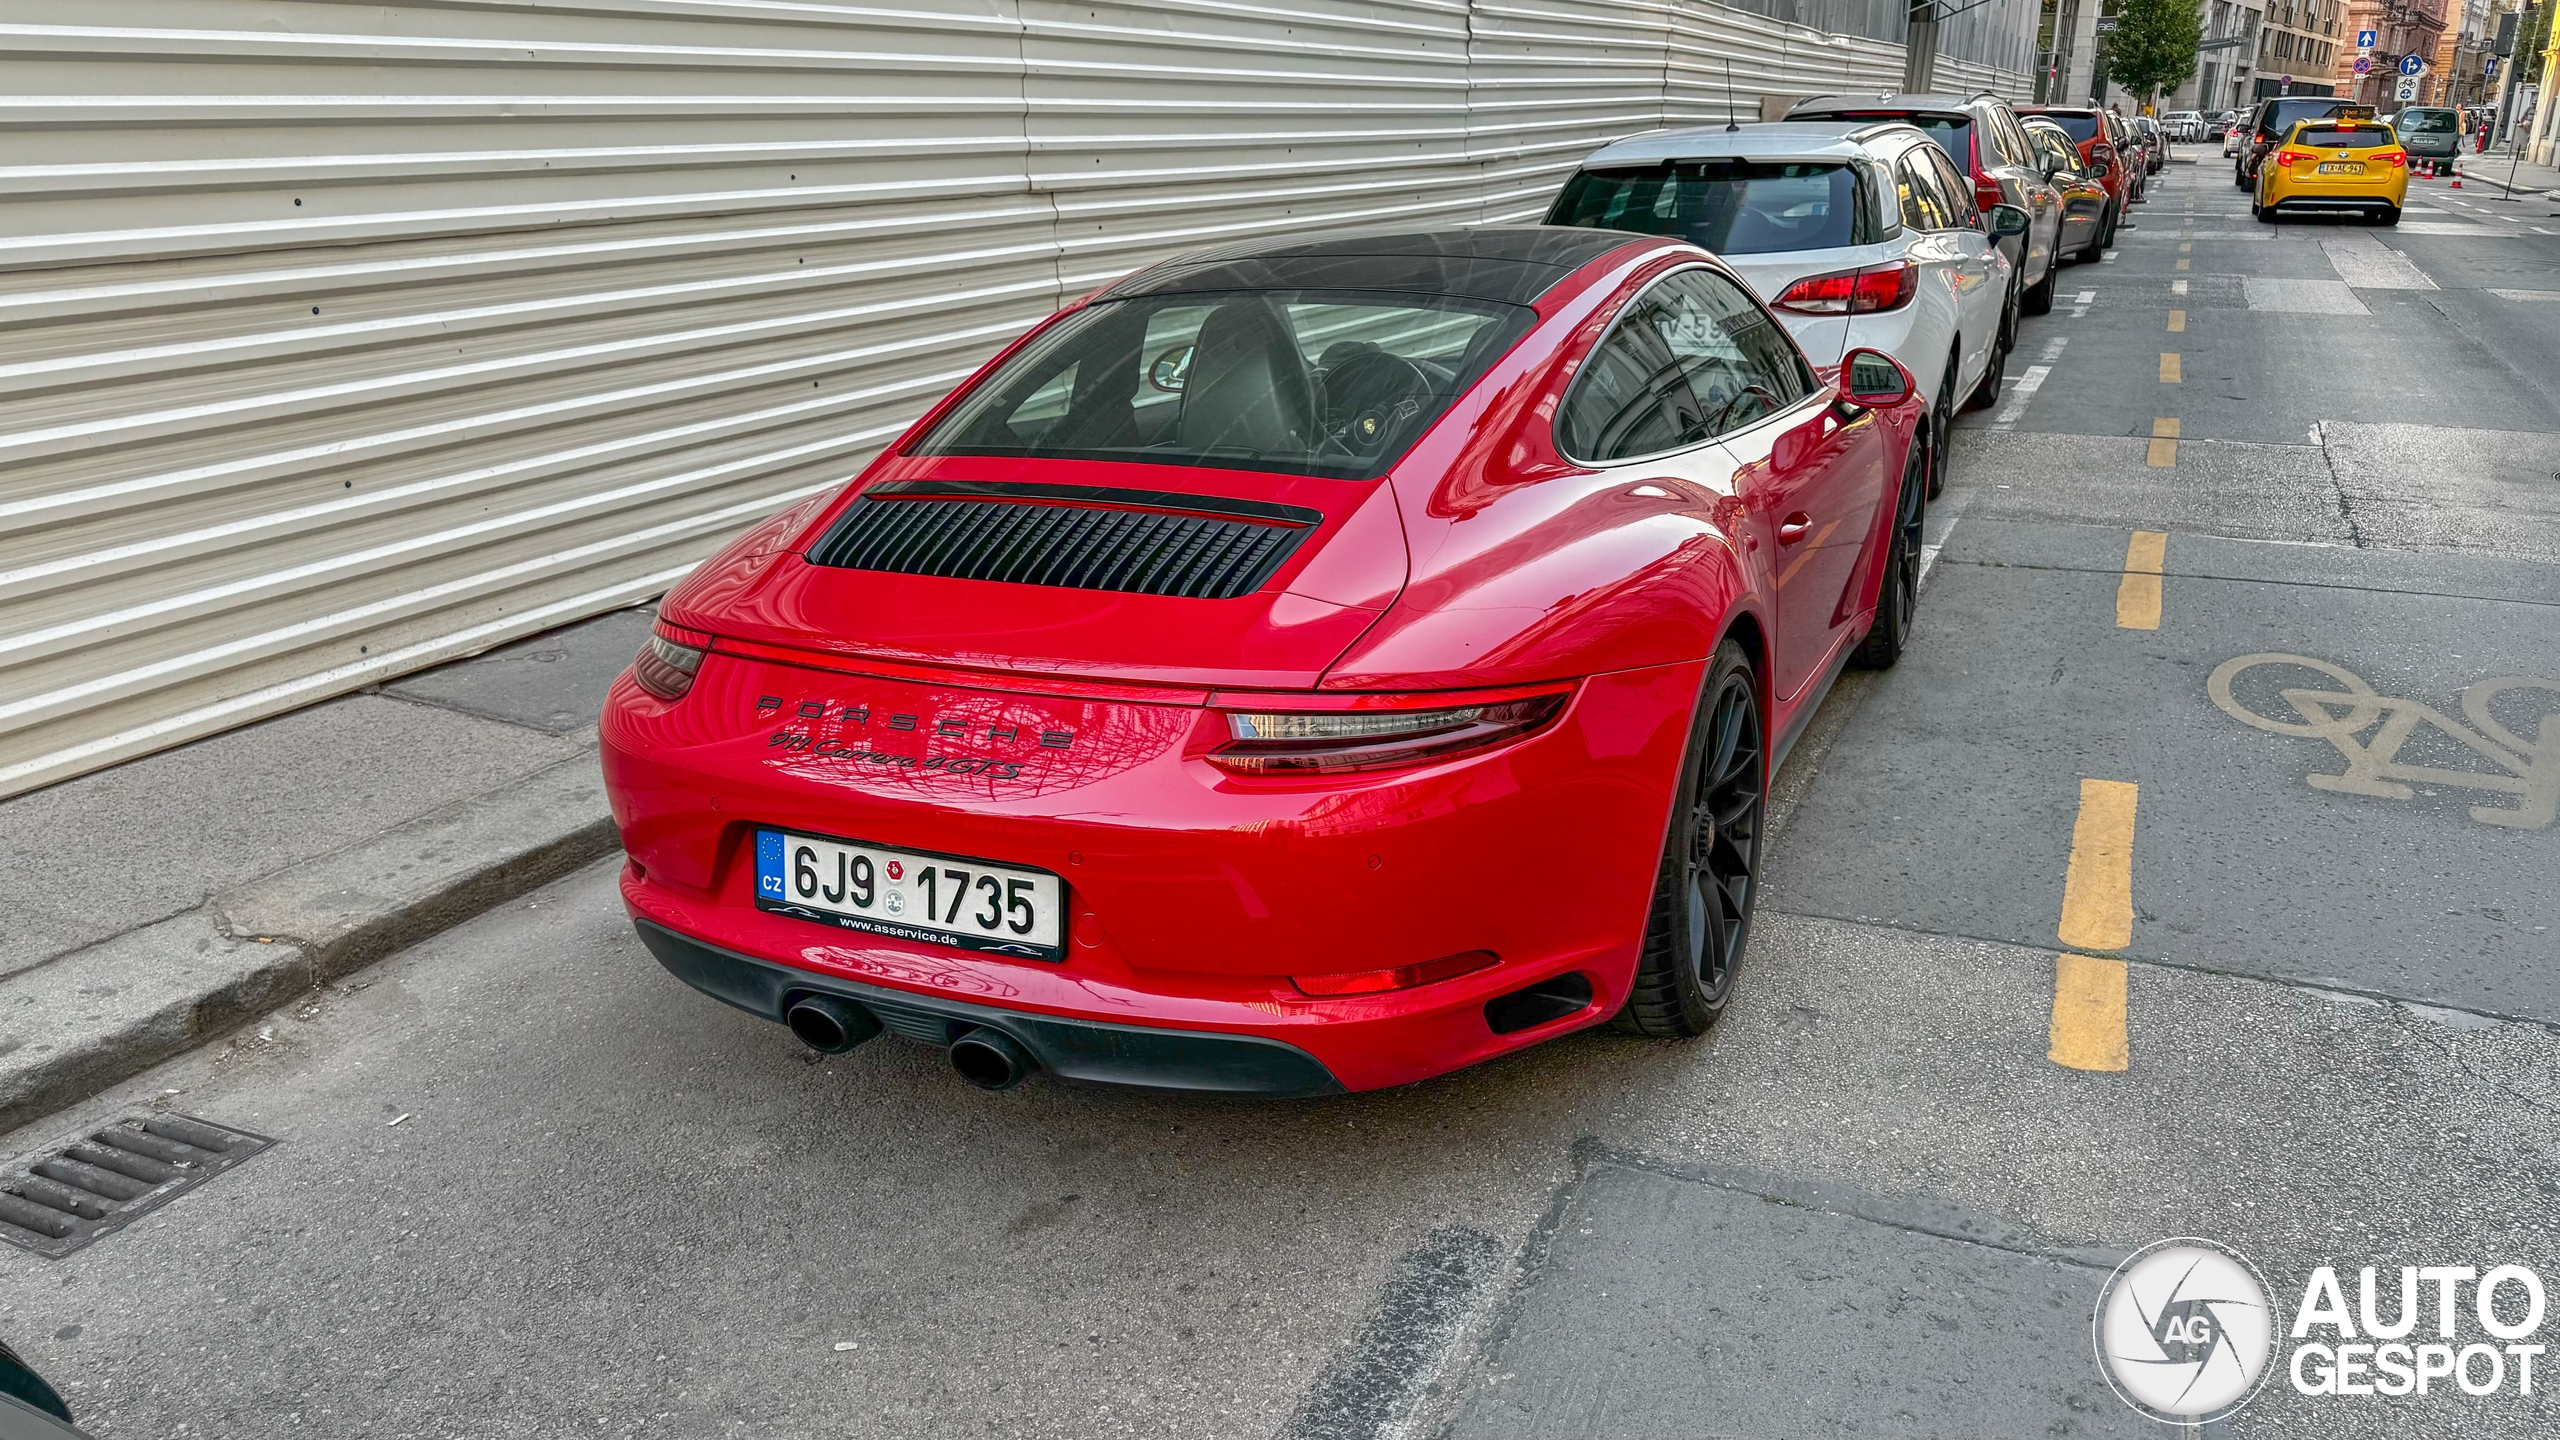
(1857, 235)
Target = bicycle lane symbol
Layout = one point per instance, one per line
(2527, 769)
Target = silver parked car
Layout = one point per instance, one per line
(1857, 235)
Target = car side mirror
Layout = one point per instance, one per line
(1874, 380)
(2008, 220)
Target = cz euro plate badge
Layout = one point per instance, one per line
(911, 894)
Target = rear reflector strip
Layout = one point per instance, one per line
(72, 1194)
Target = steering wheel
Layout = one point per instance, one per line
(1370, 397)
(1768, 405)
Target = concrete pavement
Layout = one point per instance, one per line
(164, 901)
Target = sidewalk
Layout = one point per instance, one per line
(159, 903)
(2492, 170)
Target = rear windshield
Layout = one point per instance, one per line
(2081, 128)
(2283, 115)
(1334, 383)
(1732, 207)
(2343, 137)
(2421, 122)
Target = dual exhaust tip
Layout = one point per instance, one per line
(986, 1058)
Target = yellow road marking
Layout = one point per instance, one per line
(2169, 367)
(2177, 322)
(2164, 443)
(2184, 264)
(2138, 593)
(2183, 249)
(2097, 892)
(2088, 1014)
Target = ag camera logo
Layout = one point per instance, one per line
(2184, 1331)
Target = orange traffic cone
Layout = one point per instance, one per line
(2457, 181)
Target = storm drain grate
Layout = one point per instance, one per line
(100, 1182)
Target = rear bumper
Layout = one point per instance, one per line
(1162, 1059)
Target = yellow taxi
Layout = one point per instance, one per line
(2335, 164)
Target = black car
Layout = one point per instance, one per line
(2276, 116)
(1981, 134)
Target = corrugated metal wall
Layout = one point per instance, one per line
(345, 338)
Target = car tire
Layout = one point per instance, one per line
(1709, 877)
(2038, 299)
(2106, 231)
(2266, 214)
(1898, 597)
(1942, 424)
(1995, 371)
(2239, 178)
(2390, 216)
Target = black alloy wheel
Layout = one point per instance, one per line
(1898, 598)
(1710, 873)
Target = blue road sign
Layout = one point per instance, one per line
(2411, 64)
(2365, 39)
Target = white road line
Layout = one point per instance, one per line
(2368, 264)
(2529, 296)
(2053, 348)
(2019, 394)
(2107, 259)
(2177, 287)
(1951, 512)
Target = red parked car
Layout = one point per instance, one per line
(1299, 667)
(2094, 133)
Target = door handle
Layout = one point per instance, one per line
(1793, 528)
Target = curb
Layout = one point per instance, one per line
(75, 1025)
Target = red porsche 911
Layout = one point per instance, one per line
(1300, 667)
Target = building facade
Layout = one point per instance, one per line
(2299, 48)
(2227, 64)
(2402, 28)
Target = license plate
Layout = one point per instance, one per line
(2350, 167)
(911, 894)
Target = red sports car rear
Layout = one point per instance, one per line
(1302, 667)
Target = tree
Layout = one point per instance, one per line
(2531, 37)
(2154, 45)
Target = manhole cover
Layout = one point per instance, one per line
(71, 1194)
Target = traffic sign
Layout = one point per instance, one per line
(2411, 64)
(2365, 39)
(2408, 88)
(2364, 64)
(2489, 68)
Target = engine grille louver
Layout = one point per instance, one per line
(1078, 537)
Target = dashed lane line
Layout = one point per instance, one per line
(2088, 1030)
(2170, 372)
(2138, 593)
(2177, 322)
(2087, 1027)
(2022, 390)
(2163, 453)
(2097, 890)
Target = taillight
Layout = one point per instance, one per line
(2292, 157)
(1886, 287)
(1335, 742)
(666, 666)
(1986, 192)
(1858, 292)
(2393, 158)
(1402, 977)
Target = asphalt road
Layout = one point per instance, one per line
(529, 1185)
